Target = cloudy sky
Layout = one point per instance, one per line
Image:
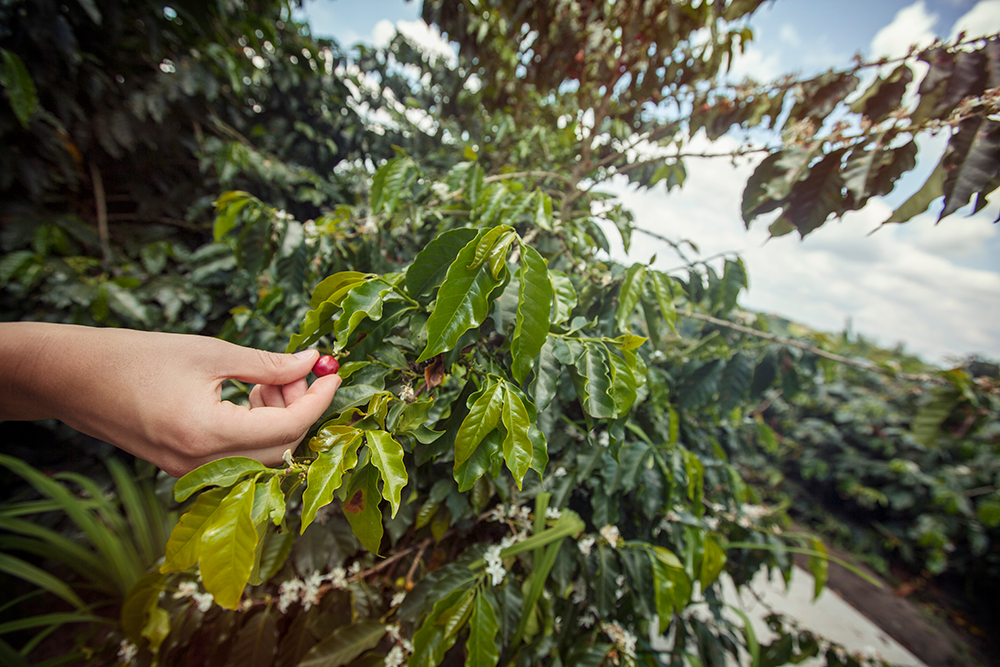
(935, 288)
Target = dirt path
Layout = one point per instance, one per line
(931, 640)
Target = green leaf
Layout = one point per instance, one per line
(338, 455)
(819, 566)
(481, 647)
(431, 264)
(315, 324)
(345, 644)
(387, 456)
(455, 617)
(476, 465)
(736, 380)
(547, 371)
(361, 507)
(462, 303)
(486, 243)
(363, 300)
(256, 642)
(931, 415)
(496, 259)
(592, 379)
(429, 642)
(565, 297)
(623, 384)
(518, 450)
(39, 577)
(20, 89)
(221, 472)
(482, 418)
(388, 182)
(228, 547)
(184, 545)
(531, 326)
(988, 513)
(227, 208)
(335, 287)
(663, 289)
(628, 296)
(142, 597)
(157, 628)
(713, 559)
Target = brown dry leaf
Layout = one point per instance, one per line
(434, 372)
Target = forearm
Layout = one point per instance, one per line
(30, 382)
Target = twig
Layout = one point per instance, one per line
(101, 204)
(813, 350)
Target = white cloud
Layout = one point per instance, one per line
(983, 19)
(427, 38)
(912, 25)
(903, 283)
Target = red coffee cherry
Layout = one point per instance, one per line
(326, 365)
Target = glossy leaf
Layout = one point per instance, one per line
(431, 264)
(531, 325)
(462, 303)
(479, 462)
(663, 288)
(486, 243)
(518, 450)
(547, 370)
(624, 390)
(430, 642)
(564, 294)
(362, 301)
(228, 546)
(388, 182)
(480, 647)
(20, 89)
(184, 545)
(326, 472)
(628, 295)
(361, 507)
(345, 644)
(592, 378)
(257, 641)
(713, 559)
(387, 456)
(221, 472)
(335, 287)
(484, 414)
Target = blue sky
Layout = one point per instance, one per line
(935, 288)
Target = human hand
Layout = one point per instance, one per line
(158, 395)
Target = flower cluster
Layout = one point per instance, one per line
(612, 535)
(189, 589)
(308, 591)
(518, 517)
(127, 652)
(398, 654)
(622, 638)
(494, 566)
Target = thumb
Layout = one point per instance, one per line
(270, 368)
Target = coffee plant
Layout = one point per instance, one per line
(530, 460)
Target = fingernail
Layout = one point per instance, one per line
(304, 354)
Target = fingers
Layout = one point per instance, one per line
(265, 368)
(272, 427)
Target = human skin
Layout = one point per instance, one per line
(158, 395)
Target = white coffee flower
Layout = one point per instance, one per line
(204, 601)
(552, 513)
(611, 534)
(586, 544)
(185, 589)
(127, 651)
